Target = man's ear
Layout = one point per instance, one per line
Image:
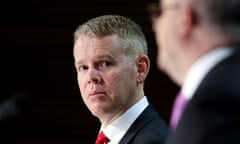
(143, 66)
(186, 20)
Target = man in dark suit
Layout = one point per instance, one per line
(110, 54)
(198, 47)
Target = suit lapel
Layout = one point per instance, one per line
(146, 116)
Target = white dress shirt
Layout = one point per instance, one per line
(117, 129)
(200, 68)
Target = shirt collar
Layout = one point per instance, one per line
(200, 68)
(117, 129)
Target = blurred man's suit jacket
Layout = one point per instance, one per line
(212, 116)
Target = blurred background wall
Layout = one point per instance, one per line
(40, 101)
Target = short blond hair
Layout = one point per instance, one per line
(130, 33)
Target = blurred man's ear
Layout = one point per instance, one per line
(186, 21)
(143, 66)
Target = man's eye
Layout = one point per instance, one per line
(105, 64)
(82, 68)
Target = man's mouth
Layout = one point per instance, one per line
(94, 94)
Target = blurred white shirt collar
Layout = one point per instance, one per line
(200, 68)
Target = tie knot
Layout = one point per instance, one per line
(102, 139)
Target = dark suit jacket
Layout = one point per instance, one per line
(148, 128)
(213, 114)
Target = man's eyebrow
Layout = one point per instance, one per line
(105, 56)
(77, 62)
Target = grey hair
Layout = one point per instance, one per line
(224, 15)
(130, 33)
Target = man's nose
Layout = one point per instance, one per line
(94, 76)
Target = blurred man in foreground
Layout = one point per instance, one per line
(198, 47)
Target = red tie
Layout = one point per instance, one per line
(102, 139)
